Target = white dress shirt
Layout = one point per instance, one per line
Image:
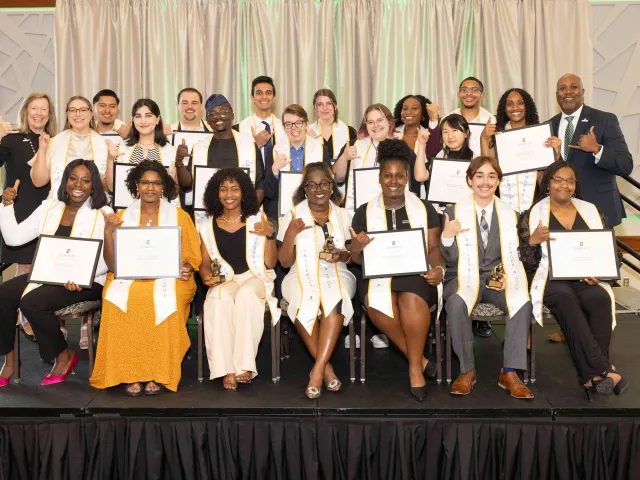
(562, 128)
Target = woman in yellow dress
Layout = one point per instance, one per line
(143, 339)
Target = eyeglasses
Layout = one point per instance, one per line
(78, 111)
(290, 125)
(376, 123)
(569, 181)
(223, 112)
(147, 183)
(323, 185)
(470, 90)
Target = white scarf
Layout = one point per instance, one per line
(246, 154)
(541, 211)
(517, 189)
(254, 121)
(164, 289)
(339, 135)
(319, 280)
(368, 155)
(313, 152)
(255, 259)
(59, 156)
(516, 290)
(87, 224)
(380, 288)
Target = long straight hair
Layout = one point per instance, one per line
(134, 135)
(92, 122)
(51, 127)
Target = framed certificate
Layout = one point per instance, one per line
(289, 182)
(447, 180)
(147, 253)
(474, 138)
(366, 185)
(112, 135)
(201, 176)
(190, 138)
(395, 253)
(522, 149)
(122, 198)
(580, 254)
(61, 259)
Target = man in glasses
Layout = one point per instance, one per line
(470, 93)
(105, 105)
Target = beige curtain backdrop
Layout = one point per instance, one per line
(364, 50)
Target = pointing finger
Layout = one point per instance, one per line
(16, 185)
(353, 232)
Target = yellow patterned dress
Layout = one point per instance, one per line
(131, 347)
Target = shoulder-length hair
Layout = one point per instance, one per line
(548, 174)
(169, 185)
(458, 122)
(134, 136)
(92, 122)
(98, 196)
(530, 111)
(362, 131)
(299, 196)
(211, 198)
(51, 126)
(325, 92)
(422, 100)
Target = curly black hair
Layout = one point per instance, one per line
(393, 150)
(530, 111)
(98, 196)
(211, 197)
(299, 195)
(424, 101)
(551, 170)
(169, 185)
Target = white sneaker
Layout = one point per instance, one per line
(347, 343)
(380, 341)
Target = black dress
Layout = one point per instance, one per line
(232, 247)
(15, 151)
(410, 283)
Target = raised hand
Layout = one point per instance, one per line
(182, 152)
(587, 143)
(452, 227)
(556, 144)
(351, 152)
(432, 111)
(423, 137)
(43, 142)
(280, 161)
(72, 287)
(114, 149)
(10, 194)
(263, 227)
(489, 130)
(359, 240)
(539, 235)
(295, 227)
(111, 221)
(124, 129)
(312, 133)
(6, 128)
(167, 129)
(261, 138)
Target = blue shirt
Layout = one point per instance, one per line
(297, 158)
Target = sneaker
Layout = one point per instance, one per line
(347, 342)
(380, 341)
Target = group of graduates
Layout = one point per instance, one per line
(248, 255)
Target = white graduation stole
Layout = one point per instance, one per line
(541, 211)
(517, 190)
(254, 121)
(319, 280)
(246, 154)
(164, 289)
(368, 155)
(256, 245)
(380, 288)
(312, 152)
(516, 290)
(399, 134)
(59, 158)
(339, 135)
(84, 225)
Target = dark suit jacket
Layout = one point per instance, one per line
(598, 181)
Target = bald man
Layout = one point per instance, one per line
(594, 145)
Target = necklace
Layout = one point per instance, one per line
(393, 214)
(30, 142)
(233, 220)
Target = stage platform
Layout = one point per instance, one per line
(370, 430)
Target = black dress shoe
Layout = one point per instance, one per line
(483, 329)
(431, 370)
(419, 393)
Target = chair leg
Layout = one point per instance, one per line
(448, 346)
(438, 352)
(16, 356)
(199, 321)
(274, 354)
(352, 351)
(532, 366)
(88, 317)
(363, 346)
(278, 327)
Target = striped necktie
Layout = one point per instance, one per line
(568, 136)
(484, 229)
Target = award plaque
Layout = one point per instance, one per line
(496, 279)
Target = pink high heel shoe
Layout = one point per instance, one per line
(50, 378)
(6, 381)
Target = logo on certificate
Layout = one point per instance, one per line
(68, 250)
(148, 242)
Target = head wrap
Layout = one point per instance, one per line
(216, 100)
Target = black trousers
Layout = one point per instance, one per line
(584, 314)
(39, 307)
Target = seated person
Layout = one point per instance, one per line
(480, 235)
(75, 212)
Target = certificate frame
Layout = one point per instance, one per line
(200, 186)
(446, 201)
(581, 233)
(198, 136)
(283, 204)
(541, 166)
(121, 193)
(412, 252)
(89, 269)
(123, 235)
(367, 173)
(475, 128)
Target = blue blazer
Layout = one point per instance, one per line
(598, 181)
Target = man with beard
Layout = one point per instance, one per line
(105, 104)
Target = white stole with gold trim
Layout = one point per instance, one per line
(246, 154)
(313, 152)
(339, 135)
(367, 158)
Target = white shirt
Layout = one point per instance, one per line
(483, 116)
(562, 128)
(200, 128)
(488, 213)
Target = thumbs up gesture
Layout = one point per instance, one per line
(113, 149)
(489, 130)
(587, 143)
(279, 162)
(124, 129)
(182, 153)
(10, 194)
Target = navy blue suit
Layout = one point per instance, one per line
(598, 181)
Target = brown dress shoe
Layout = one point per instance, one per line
(510, 381)
(464, 383)
(557, 337)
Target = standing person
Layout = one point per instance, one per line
(328, 129)
(106, 105)
(594, 145)
(189, 105)
(479, 235)
(415, 114)
(470, 93)
(455, 138)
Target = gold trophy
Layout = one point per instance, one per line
(327, 249)
(215, 272)
(497, 278)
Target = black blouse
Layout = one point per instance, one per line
(232, 247)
